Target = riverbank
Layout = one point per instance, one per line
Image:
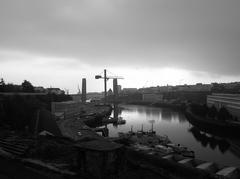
(47, 156)
(177, 106)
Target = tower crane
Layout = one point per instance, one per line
(105, 77)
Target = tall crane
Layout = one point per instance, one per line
(105, 77)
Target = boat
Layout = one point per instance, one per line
(159, 151)
(154, 143)
(121, 121)
(212, 126)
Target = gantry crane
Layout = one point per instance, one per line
(105, 77)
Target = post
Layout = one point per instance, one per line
(105, 85)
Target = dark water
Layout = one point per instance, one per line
(179, 130)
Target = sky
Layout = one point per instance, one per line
(155, 42)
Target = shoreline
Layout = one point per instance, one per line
(81, 127)
(178, 107)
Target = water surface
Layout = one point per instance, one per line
(175, 125)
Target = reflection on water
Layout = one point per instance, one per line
(212, 141)
(179, 130)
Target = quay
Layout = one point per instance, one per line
(70, 155)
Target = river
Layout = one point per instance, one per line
(175, 125)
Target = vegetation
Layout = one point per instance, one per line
(19, 111)
(26, 86)
(226, 88)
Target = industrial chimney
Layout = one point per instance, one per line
(84, 90)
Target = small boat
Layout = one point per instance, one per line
(161, 151)
(181, 150)
(121, 121)
(156, 143)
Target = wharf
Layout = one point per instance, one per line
(76, 128)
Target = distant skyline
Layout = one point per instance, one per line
(155, 42)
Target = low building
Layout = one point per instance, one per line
(57, 91)
(94, 96)
(39, 89)
(199, 87)
(230, 101)
(76, 97)
(129, 90)
(151, 97)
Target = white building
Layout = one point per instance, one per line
(230, 101)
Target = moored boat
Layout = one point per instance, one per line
(161, 152)
(217, 127)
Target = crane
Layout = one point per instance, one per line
(105, 77)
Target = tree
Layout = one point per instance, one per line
(2, 82)
(223, 114)
(212, 112)
(2, 85)
(27, 86)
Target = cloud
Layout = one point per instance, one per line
(188, 34)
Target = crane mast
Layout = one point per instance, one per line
(105, 77)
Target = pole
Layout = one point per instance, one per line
(105, 85)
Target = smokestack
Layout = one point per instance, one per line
(115, 88)
(84, 90)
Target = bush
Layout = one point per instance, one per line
(212, 112)
(223, 114)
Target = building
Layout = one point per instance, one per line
(199, 87)
(149, 90)
(129, 90)
(230, 101)
(39, 89)
(57, 91)
(119, 87)
(94, 96)
(152, 97)
(76, 97)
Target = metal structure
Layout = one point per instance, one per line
(105, 77)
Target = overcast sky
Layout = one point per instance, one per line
(149, 42)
